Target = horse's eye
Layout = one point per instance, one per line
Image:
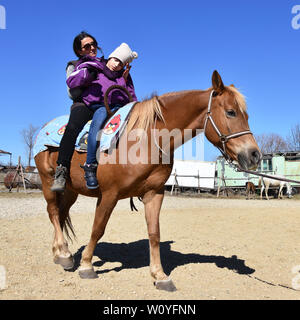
(230, 113)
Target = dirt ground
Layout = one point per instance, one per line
(213, 248)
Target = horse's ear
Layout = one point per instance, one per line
(217, 82)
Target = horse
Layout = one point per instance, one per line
(250, 190)
(264, 183)
(219, 111)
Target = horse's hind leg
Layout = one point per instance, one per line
(58, 209)
(266, 192)
(153, 202)
(61, 253)
(58, 206)
(104, 208)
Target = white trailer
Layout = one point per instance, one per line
(193, 174)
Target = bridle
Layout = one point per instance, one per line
(223, 138)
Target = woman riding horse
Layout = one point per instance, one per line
(90, 79)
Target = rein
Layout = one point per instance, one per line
(155, 140)
(113, 87)
(223, 138)
(265, 175)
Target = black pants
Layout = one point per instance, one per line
(79, 116)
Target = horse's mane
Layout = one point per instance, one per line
(239, 98)
(144, 113)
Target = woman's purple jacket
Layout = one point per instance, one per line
(94, 89)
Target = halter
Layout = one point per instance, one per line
(223, 138)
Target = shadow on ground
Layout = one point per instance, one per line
(135, 255)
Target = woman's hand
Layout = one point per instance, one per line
(126, 71)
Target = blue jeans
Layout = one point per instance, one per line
(100, 114)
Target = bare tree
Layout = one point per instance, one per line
(293, 139)
(271, 142)
(28, 135)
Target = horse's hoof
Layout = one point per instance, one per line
(166, 285)
(88, 274)
(66, 263)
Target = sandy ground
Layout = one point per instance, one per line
(212, 248)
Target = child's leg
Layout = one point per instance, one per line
(90, 167)
(97, 123)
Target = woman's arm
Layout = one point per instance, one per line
(80, 78)
(73, 93)
(85, 73)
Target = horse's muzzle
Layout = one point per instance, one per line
(249, 160)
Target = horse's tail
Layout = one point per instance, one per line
(68, 226)
(46, 169)
(259, 182)
(64, 216)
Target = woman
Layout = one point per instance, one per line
(109, 72)
(83, 44)
(85, 47)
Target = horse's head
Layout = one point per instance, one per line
(227, 125)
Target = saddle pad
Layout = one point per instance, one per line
(115, 127)
(52, 132)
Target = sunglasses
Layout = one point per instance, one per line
(88, 46)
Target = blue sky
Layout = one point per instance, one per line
(180, 43)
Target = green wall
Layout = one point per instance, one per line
(276, 164)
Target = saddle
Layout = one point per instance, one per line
(111, 132)
(52, 132)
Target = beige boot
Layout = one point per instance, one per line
(60, 177)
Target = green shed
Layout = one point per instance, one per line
(280, 163)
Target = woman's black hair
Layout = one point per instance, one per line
(77, 42)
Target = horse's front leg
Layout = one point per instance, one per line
(280, 192)
(153, 201)
(261, 192)
(105, 206)
(266, 192)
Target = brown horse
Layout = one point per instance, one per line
(250, 190)
(220, 111)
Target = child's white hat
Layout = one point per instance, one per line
(124, 53)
